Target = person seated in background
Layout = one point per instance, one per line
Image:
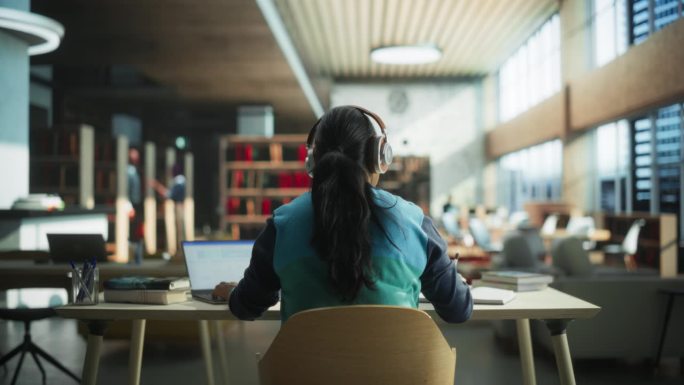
(346, 241)
(447, 206)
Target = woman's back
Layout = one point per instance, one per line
(398, 258)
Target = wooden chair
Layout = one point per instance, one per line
(359, 345)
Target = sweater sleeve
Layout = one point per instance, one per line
(441, 283)
(259, 288)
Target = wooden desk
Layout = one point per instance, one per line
(597, 235)
(552, 306)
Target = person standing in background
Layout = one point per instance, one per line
(175, 192)
(135, 199)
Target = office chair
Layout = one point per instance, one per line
(582, 227)
(28, 315)
(359, 345)
(571, 258)
(628, 248)
(549, 225)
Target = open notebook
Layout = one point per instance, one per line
(491, 295)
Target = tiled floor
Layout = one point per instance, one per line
(481, 360)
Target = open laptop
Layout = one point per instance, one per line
(211, 262)
(76, 247)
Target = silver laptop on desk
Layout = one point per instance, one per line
(211, 262)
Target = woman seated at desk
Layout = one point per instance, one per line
(347, 242)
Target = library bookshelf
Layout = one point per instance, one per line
(61, 163)
(257, 175)
(409, 178)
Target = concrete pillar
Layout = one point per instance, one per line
(14, 113)
(14, 91)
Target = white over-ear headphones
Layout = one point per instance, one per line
(382, 151)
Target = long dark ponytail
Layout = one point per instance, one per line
(343, 199)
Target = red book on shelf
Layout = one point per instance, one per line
(238, 179)
(266, 207)
(285, 180)
(249, 152)
(301, 179)
(232, 206)
(239, 152)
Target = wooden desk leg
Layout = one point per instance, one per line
(206, 350)
(525, 346)
(223, 353)
(96, 330)
(561, 349)
(135, 355)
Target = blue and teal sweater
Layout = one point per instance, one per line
(285, 264)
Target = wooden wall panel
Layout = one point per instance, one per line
(545, 121)
(646, 76)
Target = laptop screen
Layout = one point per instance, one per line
(76, 247)
(210, 262)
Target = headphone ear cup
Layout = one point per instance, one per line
(309, 163)
(384, 155)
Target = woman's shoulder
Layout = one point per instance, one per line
(301, 205)
(395, 203)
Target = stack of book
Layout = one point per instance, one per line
(148, 290)
(514, 280)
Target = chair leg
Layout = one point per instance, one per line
(16, 371)
(11, 354)
(56, 363)
(40, 366)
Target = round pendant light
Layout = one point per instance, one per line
(406, 54)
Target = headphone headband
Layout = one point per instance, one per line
(382, 150)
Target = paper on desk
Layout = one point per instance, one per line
(491, 295)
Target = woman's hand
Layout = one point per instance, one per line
(222, 290)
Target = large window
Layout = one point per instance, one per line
(609, 29)
(612, 157)
(658, 160)
(532, 73)
(530, 174)
(649, 16)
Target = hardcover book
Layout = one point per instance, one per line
(516, 277)
(147, 283)
(154, 297)
(510, 286)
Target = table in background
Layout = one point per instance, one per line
(23, 274)
(552, 306)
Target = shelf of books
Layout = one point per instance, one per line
(257, 175)
(61, 163)
(409, 178)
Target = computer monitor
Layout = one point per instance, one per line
(65, 248)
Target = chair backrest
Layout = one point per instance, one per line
(580, 225)
(550, 224)
(517, 251)
(568, 255)
(631, 241)
(359, 345)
